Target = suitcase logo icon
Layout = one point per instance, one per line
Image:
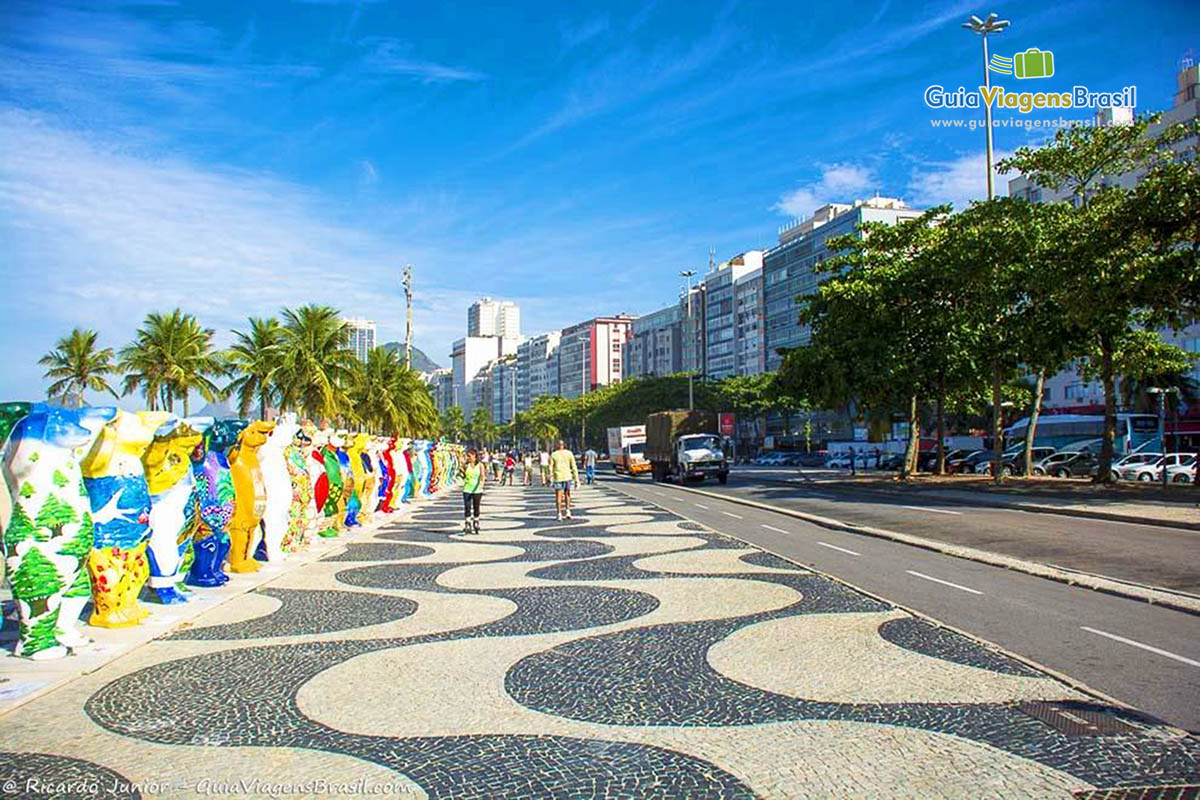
(1033, 63)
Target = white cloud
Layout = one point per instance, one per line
(839, 183)
(958, 181)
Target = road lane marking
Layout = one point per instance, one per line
(944, 583)
(731, 514)
(933, 510)
(768, 527)
(839, 549)
(1151, 648)
(700, 505)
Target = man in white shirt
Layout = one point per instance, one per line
(589, 465)
(544, 463)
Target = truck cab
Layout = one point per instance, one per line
(685, 445)
(701, 455)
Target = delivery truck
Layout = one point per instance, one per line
(626, 449)
(685, 445)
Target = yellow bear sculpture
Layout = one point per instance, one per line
(250, 496)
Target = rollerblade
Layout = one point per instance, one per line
(475, 526)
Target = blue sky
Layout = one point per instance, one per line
(231, 158)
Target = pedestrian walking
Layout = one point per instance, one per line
(853, 469)
(589, 466)
(527, 463)
(878, 458)
(510, 467)
(474, 478)
(544, 463)
(564, 473)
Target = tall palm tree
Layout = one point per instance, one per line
(171, 355)
(389, 398)
(75, 365)
(452, 423)
(254, 360)
(316, 364)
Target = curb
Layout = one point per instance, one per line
(1179, 601)
(995, 502)
(1057, 675)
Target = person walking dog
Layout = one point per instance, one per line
(563, 473)
(474, 478)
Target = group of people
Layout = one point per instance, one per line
(557, 468)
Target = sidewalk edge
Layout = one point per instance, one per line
(1189, 604)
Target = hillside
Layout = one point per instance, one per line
(420, 361)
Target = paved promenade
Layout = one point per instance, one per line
(626, 653)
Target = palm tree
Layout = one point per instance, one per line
(453, 424)
(75, 365)
(170, 356)
(316, 363)
(254, 359)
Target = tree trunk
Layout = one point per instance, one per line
(185, 404)
(914, 439)
(1034, 413)
(997, 426)
(262, 405)
(1103, 473)
(941, 426)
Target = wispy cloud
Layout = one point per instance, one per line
(958, 181)
(839, 183)
(391, 56)
(575, 34)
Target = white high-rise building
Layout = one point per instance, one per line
(362, 336)
(488, 317)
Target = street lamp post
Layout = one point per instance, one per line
(983, 28)
(689, 274)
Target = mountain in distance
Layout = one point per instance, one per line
(420, 361)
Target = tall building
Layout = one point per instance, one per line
(537, 368)
(488, 317)
(441, 385)
(790, 268)
(655, 345)
(590, 354)
(362, 336)
(468, 356)
(502, 388)
(721, 312)
(1067, 390)
(748, 316)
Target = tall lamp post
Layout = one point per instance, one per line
(983, 27)
(689, 274)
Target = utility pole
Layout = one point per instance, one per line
(982, 28)
(408, 317)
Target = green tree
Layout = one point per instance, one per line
(171, 356)
(481, 429)
(75, 365)
(35, 580)
(317, 363)
(20, 528)
(452, 424)
(1112, 283)
(54, 514)
(253, 361)
(386, 396)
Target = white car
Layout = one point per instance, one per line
(1131, 463)
(1152, 471)
(1182, 473)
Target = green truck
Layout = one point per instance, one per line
(685, 445)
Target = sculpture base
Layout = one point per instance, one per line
(168, 595)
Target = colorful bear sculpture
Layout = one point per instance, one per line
(250, 496)
(172, 484)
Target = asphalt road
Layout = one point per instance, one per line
(1148, 554)
(1143, 655)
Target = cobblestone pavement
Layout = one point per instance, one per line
(625, 653)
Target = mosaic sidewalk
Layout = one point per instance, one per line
(625, 653)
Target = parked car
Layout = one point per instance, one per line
(892, 461)
(1047, 465)
(1070, 465)
(967, 463)
(842, 460)
(1153, 471)
(769, 459)
(927, 459)
(1013, 461)
(1132, 461)
(1182, 473)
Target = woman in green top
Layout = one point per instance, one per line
(474, 476)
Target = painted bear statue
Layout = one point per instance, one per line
(169, 477)
(277, 482)
(250, 496)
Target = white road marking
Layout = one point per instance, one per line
(944, 583)
(731, 514)
(933, 510)
(1151, 648)
(777, 530)
(839, 549)
(700, 505)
